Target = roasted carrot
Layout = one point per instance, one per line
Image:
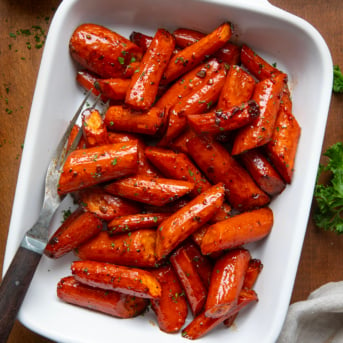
(106, 206)
(198, 101)
(219, 166)
(108, 276)
(171, 308)
(226, 282)
(129, 249)
(229, 53)
(75, 130)
(154, 191)
(75, 230)
(188, 219)
(88, 167)
(93, 128)
(262, 172)
(140, 39)
(201, 325)
(177, 166)
(89, 81)
(219, 121)
(110, 302)
(284, 142)
(223, 213)
(121, 137)
(144, 83)
(238, 88)
(190, 280)
(240, 229)
(135, 222)
(120, 118)
(114, 89)
(102, 51)
(180, 142)
(267, 94)
(194, 54)
(256, 65)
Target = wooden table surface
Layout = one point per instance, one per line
(20, 55)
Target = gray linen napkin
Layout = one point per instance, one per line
(319, 319)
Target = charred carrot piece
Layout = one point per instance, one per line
(201, 325)
(218, 121)
(188, 219)
(106, 206)
(219, 166)
(171, 308)
(226, 282)
(201, 263)
(93, 128)
(191, 282)
(238, 88)
(89, 81)
(256, 65)
(120, 118)
(262, 172)
(110, 302)
(144, 84)
(102, 51)
(229, 53)
(135, 222)
(193, 55)
(140, 39)
(114, 89)
(267, 94)
(178, 166)
(129, 249)
(284, 143)
(238, 230)
(154, 191)
(88, 167)
(108, 276)
(198, 101)
(75, 230)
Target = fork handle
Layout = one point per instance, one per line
(14, 286)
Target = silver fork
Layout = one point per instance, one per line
(21, 270)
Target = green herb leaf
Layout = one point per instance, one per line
(337, 86)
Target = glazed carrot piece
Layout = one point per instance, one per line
(180, 142)
(102, 51)
(171, 308)
(144, 84)
(223, 213)
(88, 167)
(284, 143)
(128, 249)
(135, 222)
(188, 219)
(219, 166)
(75, 130)
(177, 166)
(202, 324)
(89, 81)
(192, 55)
(198, 101)
(201, 263)
(108, 276)
(256, 65)
(238, 88)
(262, 172)
(238, 230)
(229, 53)
(114, 89)
(93, 128)
(140, 39)
(75, 230)
(110, 302)
(267, 95)
(106, 206)
(218, 121)
(226, 282)
(120, 118)
(190, 280)
(148, 190)
(121, 137)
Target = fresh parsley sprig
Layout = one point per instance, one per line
(337, 86)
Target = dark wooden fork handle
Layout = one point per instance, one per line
(14, 286)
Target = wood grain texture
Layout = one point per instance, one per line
(322, 251)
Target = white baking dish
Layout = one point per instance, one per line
(280, 37)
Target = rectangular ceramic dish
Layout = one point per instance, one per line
(292, 43)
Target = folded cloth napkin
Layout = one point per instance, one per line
(319, 319)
